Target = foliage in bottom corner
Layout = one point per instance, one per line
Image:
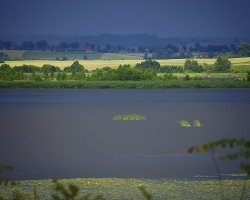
(243, 153)
(145, 193)
(70, 193)
(243, 147)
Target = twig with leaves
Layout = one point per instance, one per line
(243, 153)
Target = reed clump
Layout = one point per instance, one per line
(130, 117)
(197, 123)
(184, 123)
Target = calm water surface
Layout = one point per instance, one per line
(70, 133)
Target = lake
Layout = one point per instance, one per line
(71, 133)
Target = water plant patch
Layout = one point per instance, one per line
(197, 123)
(130, 117)
(184, 123)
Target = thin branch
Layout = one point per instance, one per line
(218, 172)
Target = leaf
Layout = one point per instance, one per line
(145, 193)
(74, 190)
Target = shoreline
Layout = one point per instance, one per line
(121, 84)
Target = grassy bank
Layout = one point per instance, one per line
(120, 188)
(123, 84)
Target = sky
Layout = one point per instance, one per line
(164, 18)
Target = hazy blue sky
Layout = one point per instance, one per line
(164, 18)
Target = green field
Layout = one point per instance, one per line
(120, 188)
(13, 54)
(71, 55)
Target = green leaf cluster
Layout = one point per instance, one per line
(69, 193)
(243, 152)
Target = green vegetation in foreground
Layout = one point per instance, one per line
(122, 84)
(242, 152)
(130, 117)
(184, 123)
(120, 188)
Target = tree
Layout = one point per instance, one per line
(168, 77)
(46, 74)
(42, 45)
(3, 55)
(140, 49)
(104, 50)
(162, 53)
(35, 77)
(248, 76)
(184, 48)
(197, 47)
(108, 47)
(78, 75)
(75, 46)
(1, 44)
(186, 78)
(61, 76)
(145, 57)
(221, 65)
(87, 45)
(8, 45)
(28, 45)
(64, 45)
(243, 49)
(210, 54)
(76, 66)
(175, 49)
(99, 49)
(92, 46)
(149, 65)
(51, 68)
(207, 67)
(192, 66)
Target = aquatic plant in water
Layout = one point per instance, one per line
(197, 122)
(130, 117)
(184, 123)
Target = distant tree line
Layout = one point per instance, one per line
(169, 51)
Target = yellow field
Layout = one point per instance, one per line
(93, 64)
(88, 64)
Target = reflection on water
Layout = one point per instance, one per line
(71, 133)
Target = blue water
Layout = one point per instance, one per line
(70, 133)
